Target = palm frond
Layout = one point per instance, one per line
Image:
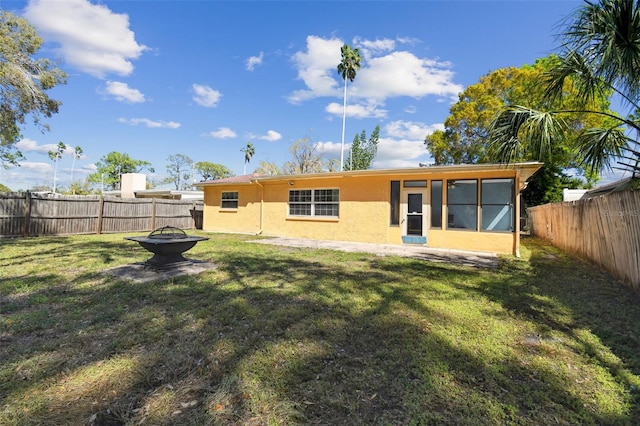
(607, 34)
(573, 65)
(504, 144)
(597, 147)
(517, 129)
(542, 129)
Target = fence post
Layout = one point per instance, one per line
(100, 213)
(153, 213)
(27, 214)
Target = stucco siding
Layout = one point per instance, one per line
(364, 211)
(364, 207)
(244, 219)
(472, 240)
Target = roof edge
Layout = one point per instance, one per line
(531, 167)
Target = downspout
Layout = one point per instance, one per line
(517, 215)
(261, 205)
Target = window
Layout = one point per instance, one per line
(395, 202)
(314, 202)
(415, 183)
(497, 205)
(229, 200)
(436, 204)
(462, 204)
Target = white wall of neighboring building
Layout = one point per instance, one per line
(572, 194)
(132, 182)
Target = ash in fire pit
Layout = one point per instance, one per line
(167, 245)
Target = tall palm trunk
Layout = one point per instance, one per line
(344, 120)
(55, 176)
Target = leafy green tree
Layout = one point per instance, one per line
(79, 188)
(180, 169)
(113, 165)
(268, 168)
(55, 156)
(249, 152)
(347, 68)
(466, 138)
(363, 150)
(600, 54)
(211, 171)
(4, 188)
(304, 158)
(23, 83)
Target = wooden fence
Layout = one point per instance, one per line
(604, 230)
(29, 214)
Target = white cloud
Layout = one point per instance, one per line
(394, 153)
(369, 48)
(369, 110)
(271, 136)
(404, 74)
(150, 123)
(29, 145)
(317, 69)
(384, 73)
(91, 37)
(223, 133)
(254, 60)
(36, 166)
(123, 93)
(330, 149)
(411, 129)
(205, 95)
(87, 169)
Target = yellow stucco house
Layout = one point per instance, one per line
(467, 207)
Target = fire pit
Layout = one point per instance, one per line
(167, 245)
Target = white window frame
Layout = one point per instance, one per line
(314, 203)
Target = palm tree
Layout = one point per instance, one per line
(77, 153)
(55, 156)
(601, 52)
(347, 68)
(249, 151)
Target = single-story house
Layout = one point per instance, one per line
(466, 207)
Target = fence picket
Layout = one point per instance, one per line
(28, 214)
(604, 230)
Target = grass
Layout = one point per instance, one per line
(278, 335)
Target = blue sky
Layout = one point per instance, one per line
(202, 78)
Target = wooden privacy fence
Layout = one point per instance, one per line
(28, 214)
(604, 230)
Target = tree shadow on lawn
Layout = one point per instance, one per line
(268, 337)
(572, 299)
(52, 248)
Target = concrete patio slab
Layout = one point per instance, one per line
(460, 257)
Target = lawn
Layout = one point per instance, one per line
(286, 336)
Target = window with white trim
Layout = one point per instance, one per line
(229, 200)
(314, 202)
